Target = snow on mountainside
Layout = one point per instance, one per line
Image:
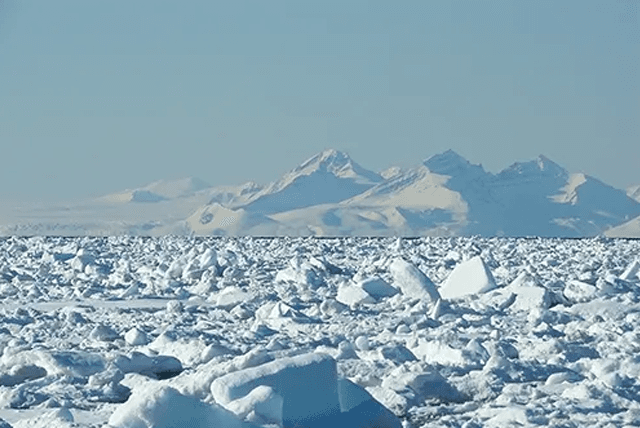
(330, 194)
(158, 191)
(634, 192)
(328, 177)
(541, 198)
(215, 219)
(409, 202)
(392, 172)
(233, 196)
(447, 195)
(525, 192)
(474, 185)
(170, 189)
(630, 229)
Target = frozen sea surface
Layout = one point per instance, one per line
(129, 332)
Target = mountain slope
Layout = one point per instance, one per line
(543, 199)
(330, 194)
(474, 185)
(629, 229)
(157, 191)
(215, 219)
(634, 192)
(328, 177)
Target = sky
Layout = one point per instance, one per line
(100, 96)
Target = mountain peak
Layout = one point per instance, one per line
(328, 177)
(449, 163)
(540, 166)
(327, 159)
(546, 164)
(170, 189)
(336, 163)
(448, 155)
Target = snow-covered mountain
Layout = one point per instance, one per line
(541, 198)
(330, 194)
(328, 177)
(629, 229)
(159, 191)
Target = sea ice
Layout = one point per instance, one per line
(136, 337)
(353, 295)
(412, 282)
(290, 378)
(631, 272)
(164, 407)
(262, 405)
(556, 344)
(377, 287)
(469, 277)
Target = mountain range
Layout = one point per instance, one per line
(332, 195)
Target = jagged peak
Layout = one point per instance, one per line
(448, 156)
(546, 164)
(326, 159)
(336, 162)
(391, 172)
(449, 163)
(541, 165)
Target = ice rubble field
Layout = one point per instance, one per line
(130, 332)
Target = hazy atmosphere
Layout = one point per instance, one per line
(100, 96)
(284, 214)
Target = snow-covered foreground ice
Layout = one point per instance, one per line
(129, 332)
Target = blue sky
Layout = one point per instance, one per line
(98, 96)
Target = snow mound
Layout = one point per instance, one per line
(21, 373)
(262, 405)
(159, 366)
(164, 407)
(300, 273)
(352, 295)
(528, 295)
(231, 296)
(423, 384)
(578, 291)
(135, 337)
(307, 384)
(55, 363)
(469, 277)
(301, 391)
(412, 282)
(59, 418)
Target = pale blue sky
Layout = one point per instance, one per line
(98, 96)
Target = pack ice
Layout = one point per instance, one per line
(128, 332)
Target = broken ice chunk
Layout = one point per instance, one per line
(469, 277)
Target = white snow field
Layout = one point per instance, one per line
(139, 332)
